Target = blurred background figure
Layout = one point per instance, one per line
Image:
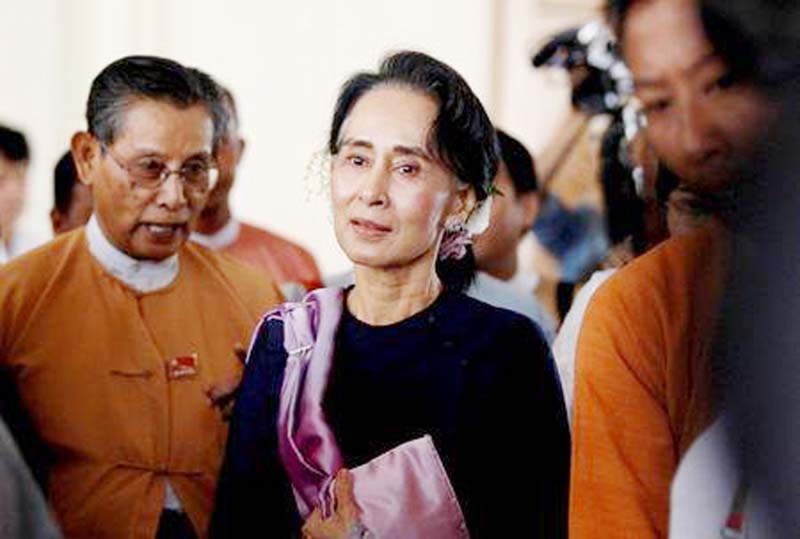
(643, 364)
(24, 513)
(288, 264)
(641, 202)
(73, 204)
(515, 205)
(600, 208)
(14, 158)
(742, 475)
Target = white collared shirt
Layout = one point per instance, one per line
(565, 347)
(704, 487)
(225, 236)
(141, 275)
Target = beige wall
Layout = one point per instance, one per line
(532, 103)
(284, 61)
(288, 64)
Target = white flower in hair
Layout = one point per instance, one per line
(478, 221)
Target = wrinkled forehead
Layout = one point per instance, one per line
(390, 116)
(164, 127)
(663, 38)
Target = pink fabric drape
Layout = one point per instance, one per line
(403, 493)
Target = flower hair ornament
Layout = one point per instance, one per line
(458, 234)
(317, 176)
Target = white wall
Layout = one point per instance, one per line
(284, 61)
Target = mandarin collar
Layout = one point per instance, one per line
(141, 275)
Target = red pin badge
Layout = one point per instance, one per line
(182, 366)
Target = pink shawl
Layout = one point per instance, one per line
(403, 493)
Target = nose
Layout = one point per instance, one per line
(374, 187)
(698, 137)
(172, 194)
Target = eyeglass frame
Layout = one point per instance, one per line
(166, 172)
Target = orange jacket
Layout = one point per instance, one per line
(642, 388)
(282, 260)
(90, 354)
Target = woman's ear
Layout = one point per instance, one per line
(465, 203)
(85, 152)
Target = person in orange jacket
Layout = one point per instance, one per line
(121, 336)
(642, 387)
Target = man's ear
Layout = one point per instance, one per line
(240, 150)
(86, 154)
(56, 221)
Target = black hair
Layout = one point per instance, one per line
(624, 207)
(767, 33)
(213, 94)
(616, 12)
(151, 77)
(13, 145)
(731, 43)
(227, 98)
(519, 162)
(462, 136)
(666, 182)
(65, 177)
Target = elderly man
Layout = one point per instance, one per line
(291, 266)
(642, 388)
(121, 334)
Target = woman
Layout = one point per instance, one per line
(413, 155)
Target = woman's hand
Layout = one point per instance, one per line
(222, 393)
(344, 523)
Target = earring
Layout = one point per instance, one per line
(453, 224)
(456, 240)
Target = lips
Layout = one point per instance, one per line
(164, 231)
(369, 229)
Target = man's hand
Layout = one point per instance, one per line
(344, 523)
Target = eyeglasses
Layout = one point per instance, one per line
(199, 175)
